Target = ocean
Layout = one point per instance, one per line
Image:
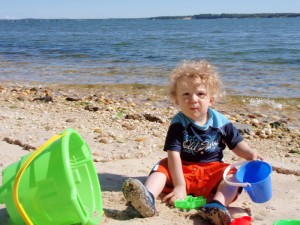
(255, 57)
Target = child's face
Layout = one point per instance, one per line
(193, 99)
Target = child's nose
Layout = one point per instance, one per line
(194, 98)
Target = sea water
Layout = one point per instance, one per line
(255, 57)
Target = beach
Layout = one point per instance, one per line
(125, 126)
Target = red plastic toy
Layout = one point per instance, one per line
(245, 220)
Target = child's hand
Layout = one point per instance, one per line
(178, 193)
(258, 156)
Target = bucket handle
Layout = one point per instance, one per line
(236, 184)
(15, 191)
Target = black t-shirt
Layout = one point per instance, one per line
(201, 143)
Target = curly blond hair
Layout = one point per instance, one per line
(201, 70)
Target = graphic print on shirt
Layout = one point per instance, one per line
(204, 145)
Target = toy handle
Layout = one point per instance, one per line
(15, 191)
(1, 195)
(238, 164)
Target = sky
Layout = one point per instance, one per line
(103, 9)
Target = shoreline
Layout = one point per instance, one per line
(125, 127)
(280, 106)
(132, 87)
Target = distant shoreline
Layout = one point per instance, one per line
(229, 16)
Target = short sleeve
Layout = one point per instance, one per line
(232, 136)
(174, 137)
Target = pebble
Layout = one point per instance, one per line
(263, 136)
(98, 130)
(97, 159)
(140, 139)
(104, 141)
(268, 131)
(97, 153)
(72, 120)
(255, 122)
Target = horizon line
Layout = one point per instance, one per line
(151, 17)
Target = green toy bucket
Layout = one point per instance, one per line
(287, 222)
(56, 184)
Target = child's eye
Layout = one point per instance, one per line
(202, 94)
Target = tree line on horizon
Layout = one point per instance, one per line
(232, 16)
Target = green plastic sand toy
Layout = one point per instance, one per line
(56, 184)
(190, 202)
(286, 222)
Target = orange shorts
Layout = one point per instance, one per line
(201, 178)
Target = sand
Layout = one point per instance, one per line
(125, 128)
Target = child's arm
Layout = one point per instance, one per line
(243, 150)
(175, 168)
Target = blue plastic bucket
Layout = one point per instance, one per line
(255, 177)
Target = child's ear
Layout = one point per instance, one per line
(212, 100)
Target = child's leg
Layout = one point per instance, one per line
(216, 211)
(226, 193)
(155, 183)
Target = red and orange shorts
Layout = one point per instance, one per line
(201, 178)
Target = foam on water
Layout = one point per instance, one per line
(265, 102)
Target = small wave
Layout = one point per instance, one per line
(265, 102)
